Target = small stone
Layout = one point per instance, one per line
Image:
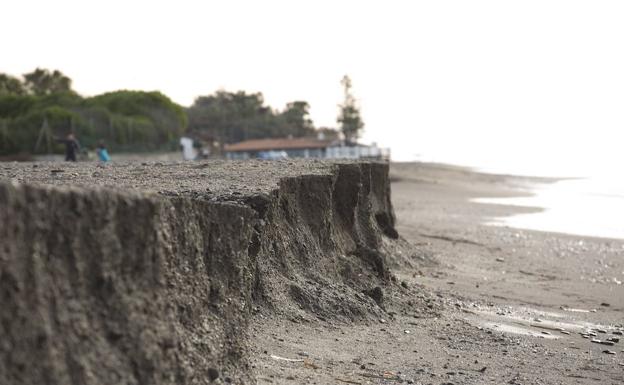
(499, 259)
(564, 332)
(213, 374)
(362, 366)
(383, 321)
(617, 332)
(406, 331)
(605, 304)
(608, 351)
(601, 331)
(614, 339)
(404, 284)
(608, 343)
(595, 341)
(545, 332)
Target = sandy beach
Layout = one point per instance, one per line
(476, 303)
(292, 272)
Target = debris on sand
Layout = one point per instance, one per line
(387, 376)
(310, 365)
(278, 358)
(346, 381)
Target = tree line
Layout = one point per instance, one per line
(42, 106)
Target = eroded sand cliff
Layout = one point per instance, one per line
(148, 273)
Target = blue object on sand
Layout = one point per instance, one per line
(103, 155)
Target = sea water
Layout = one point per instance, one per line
(586, 198)
(589, 206)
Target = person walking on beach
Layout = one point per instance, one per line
(71, 147)
(102, 152)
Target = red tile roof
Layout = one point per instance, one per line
(277, 144)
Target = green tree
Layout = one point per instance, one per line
(137, 118)
(349, 118)
(125, 120)
(231, 117)
(10, 85)
(43, 82)
(296, 118)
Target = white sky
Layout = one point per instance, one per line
(495, 83)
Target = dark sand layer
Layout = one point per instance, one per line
(484, 304)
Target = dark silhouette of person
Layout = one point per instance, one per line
(71, 147)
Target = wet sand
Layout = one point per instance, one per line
(477, 304)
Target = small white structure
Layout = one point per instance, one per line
(304, 148)
(188, 152)
(357, 151)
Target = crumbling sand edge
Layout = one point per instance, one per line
(128, 288)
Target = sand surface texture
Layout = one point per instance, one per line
(293, 272)
(477, 304)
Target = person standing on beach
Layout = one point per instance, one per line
(71, 147)
(188, 153)
(102, 152)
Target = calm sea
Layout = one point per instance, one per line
(589, 203)
(591, 206)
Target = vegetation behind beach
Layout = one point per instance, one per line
(42, 106)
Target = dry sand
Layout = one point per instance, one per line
(479, 304)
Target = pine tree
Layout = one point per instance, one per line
(349, 119)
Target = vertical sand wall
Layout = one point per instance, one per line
(125, 288)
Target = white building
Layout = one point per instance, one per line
(303, 148)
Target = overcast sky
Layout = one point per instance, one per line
(492, 82)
